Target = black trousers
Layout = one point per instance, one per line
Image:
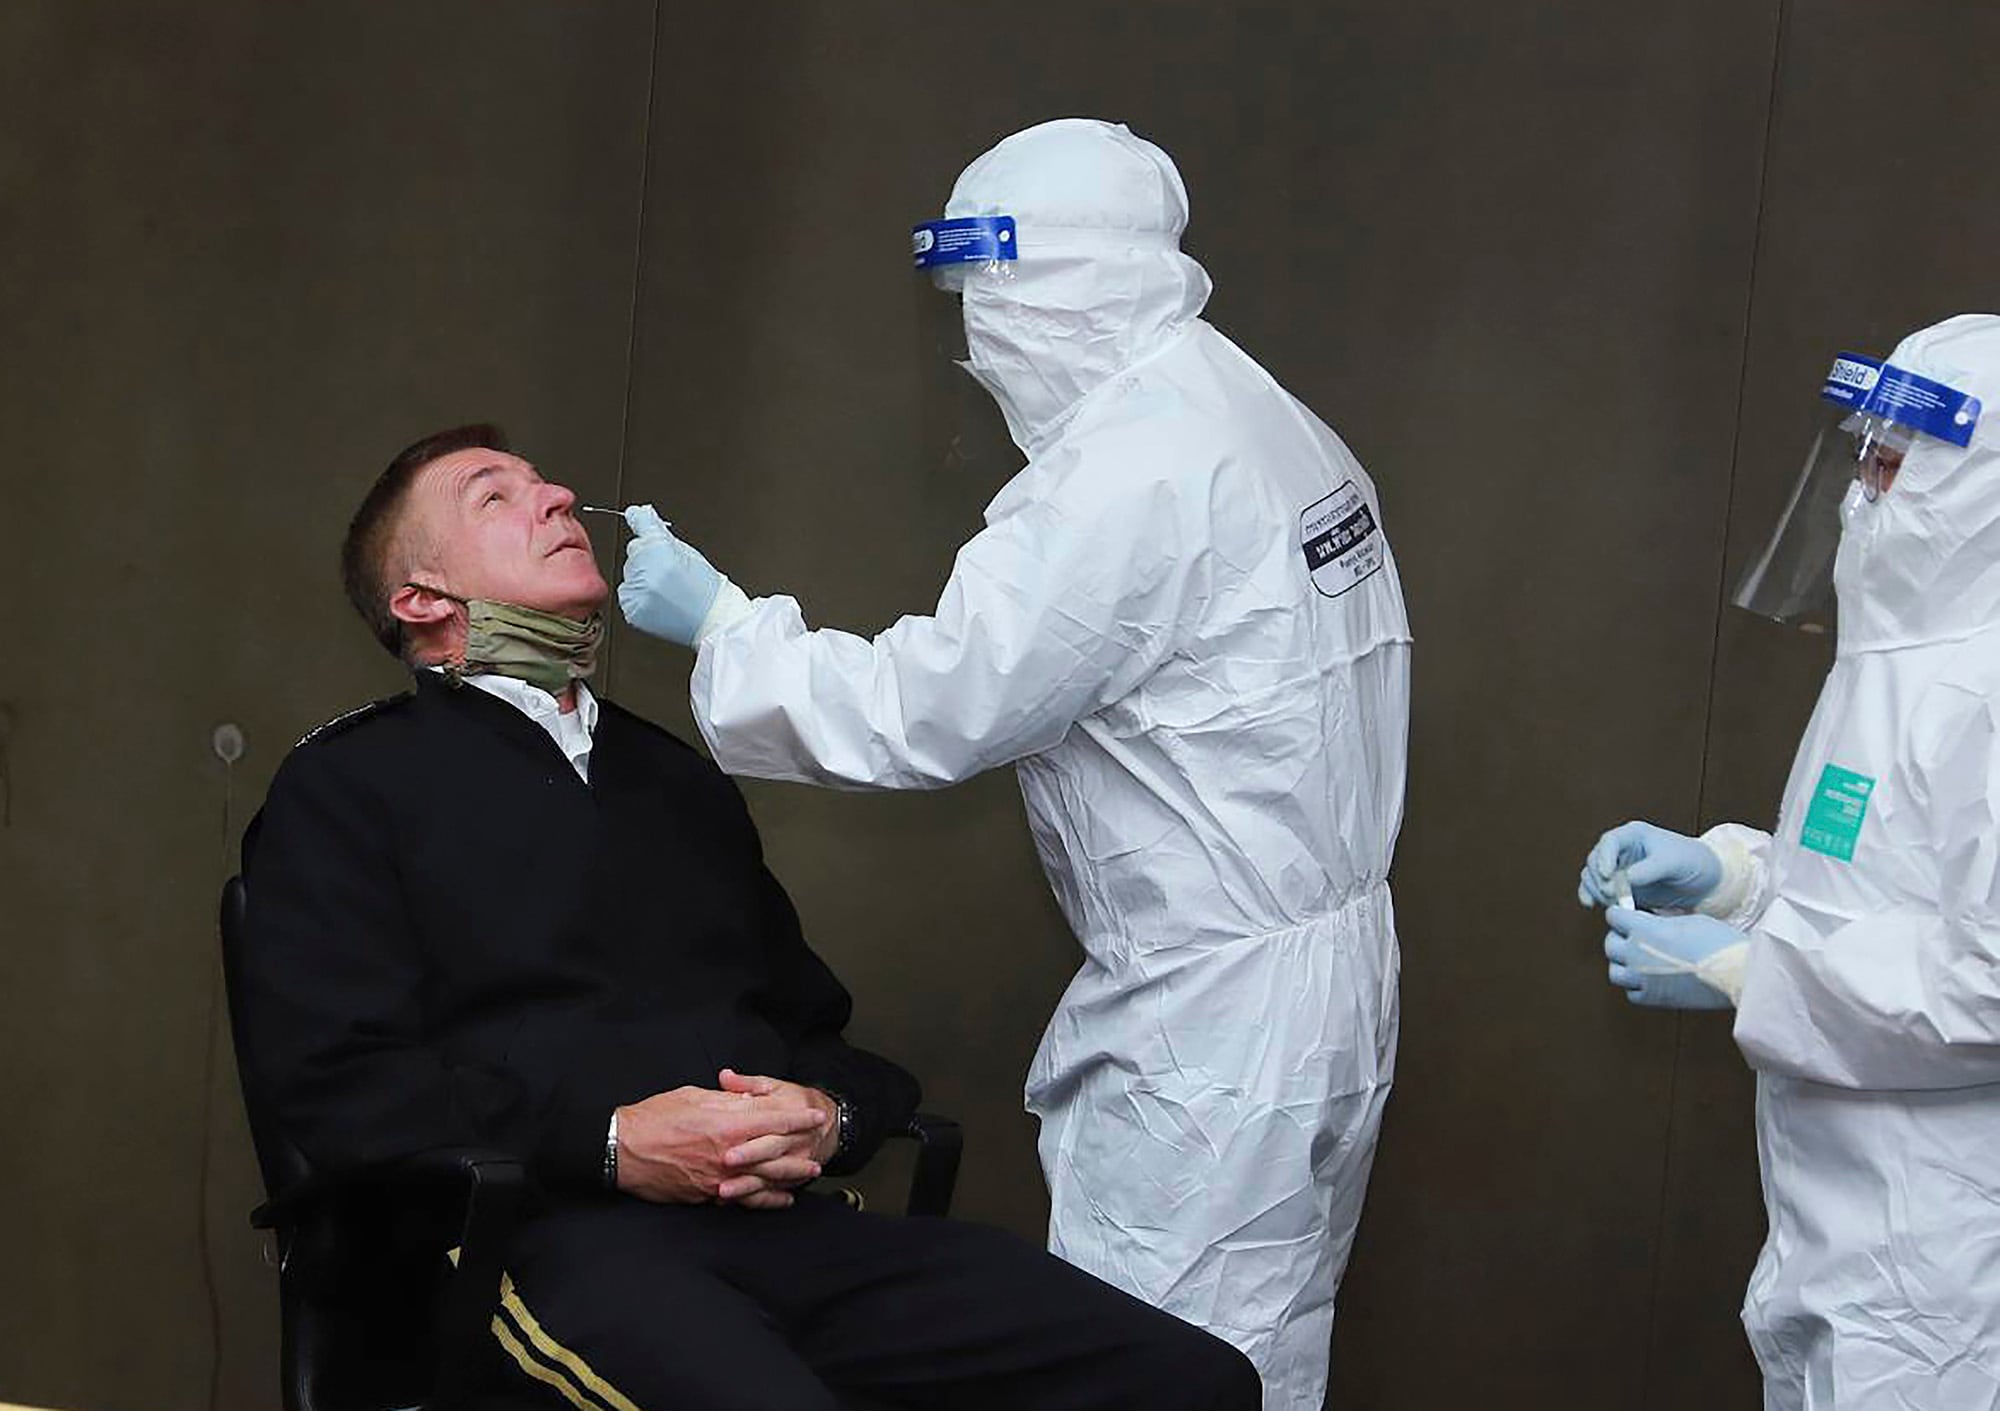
(620, 1305)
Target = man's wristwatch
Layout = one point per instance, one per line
(843, 1118)
(611, 1152)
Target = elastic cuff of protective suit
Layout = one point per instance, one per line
(730, 607)
(1724, 970)
(1739, 875)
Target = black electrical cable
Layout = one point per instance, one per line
(210, 1289)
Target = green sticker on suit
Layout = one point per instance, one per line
(1834, 817)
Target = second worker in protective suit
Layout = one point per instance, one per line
(1860, 940)
(1182, 625)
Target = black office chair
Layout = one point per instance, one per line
(373, 1313)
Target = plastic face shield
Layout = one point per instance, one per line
(953, 251)
(1876, 413)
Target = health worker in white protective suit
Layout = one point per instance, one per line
(1860, 942)
(1182, 625)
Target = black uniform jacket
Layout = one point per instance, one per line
(452, 939)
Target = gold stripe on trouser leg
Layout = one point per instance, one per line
(538, 1338)
(548, 1375)
(589, 1384)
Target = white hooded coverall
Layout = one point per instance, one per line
(1182, 625)
(1871, 998)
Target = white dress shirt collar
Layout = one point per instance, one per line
(572, 731)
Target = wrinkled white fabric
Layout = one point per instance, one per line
(1101, 281)
(1871, 1002)
(1739, 896)
(1210, 746)
(1922, 563)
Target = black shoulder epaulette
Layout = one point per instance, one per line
(352, 718)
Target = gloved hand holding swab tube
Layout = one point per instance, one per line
(669, 589)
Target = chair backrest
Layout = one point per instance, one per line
(283, 1166)
(355, 1310)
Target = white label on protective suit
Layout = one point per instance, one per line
(1341, 540)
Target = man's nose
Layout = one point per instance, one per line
(557, 499)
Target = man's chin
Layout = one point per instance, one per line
(580, 601)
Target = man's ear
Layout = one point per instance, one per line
(420, 606)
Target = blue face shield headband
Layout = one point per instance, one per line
(951, 250)
(1876, 413)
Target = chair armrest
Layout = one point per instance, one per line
(438, 1171)
(940, 1142)
(497, 1190)
(493, 1189)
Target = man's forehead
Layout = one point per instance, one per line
(451, 477)
(460, 467)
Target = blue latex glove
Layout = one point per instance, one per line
(668, 586)
(1653, 957)
(1666, 869)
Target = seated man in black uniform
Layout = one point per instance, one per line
(501, 911)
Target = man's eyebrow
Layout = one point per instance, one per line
(480, 474)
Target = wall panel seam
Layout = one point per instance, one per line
(632, 312)
(1781, 10)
